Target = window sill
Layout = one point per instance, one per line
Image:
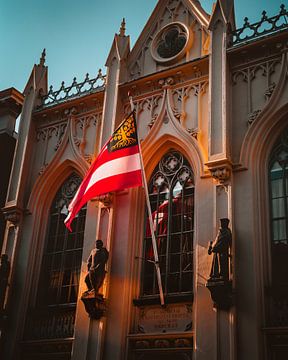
(169, 299)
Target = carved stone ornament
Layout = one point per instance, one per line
(171, 43)
(221, 293)
(194, 133)
(268, 93)
(221, 174)
(182, 345)
(252, 116)
(105, 199)
(166, 82)
(95, 304)
(13, 215)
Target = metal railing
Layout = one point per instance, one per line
(74, 90)
(267, 25)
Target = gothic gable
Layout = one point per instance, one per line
(175, 33)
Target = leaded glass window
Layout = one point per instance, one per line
(172, 43)
(279, 210)
(63, 253)
(171, 193)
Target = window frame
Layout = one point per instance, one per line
(187, 195)
(275, 157)
(50, 254)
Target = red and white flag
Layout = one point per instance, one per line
(117, 167)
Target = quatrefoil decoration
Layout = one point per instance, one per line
(172, 44)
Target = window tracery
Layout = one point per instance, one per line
(53, 316)
(171, 43)
(171, 192)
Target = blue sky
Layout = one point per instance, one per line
(77, 34)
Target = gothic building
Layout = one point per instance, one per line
(211, 106)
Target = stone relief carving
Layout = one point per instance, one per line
(249, 72)
(184, 342)
(147, 108)
(252, 116)
(268, 93)
(45, 134)
(249, 75)
(175, 11)
(82, 125)
(180, 99)
(194, 133)
(181, 95)
(51, 135)
(221, 173)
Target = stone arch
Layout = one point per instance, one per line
(255, 156)
(262, 135)
(39, 205)
(269, 123)
(47, 185)
(153, 152)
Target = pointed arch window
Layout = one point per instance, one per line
(53, 316)
(171, 193)
(63, 253)
(276, 299)
(278, 173)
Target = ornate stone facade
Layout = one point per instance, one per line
(218, 98)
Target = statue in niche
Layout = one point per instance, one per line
(4, 275)
(96, 267)
(220, 249)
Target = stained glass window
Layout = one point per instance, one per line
(172, 43)
(63, 252)
(279, 210)
(171, 192)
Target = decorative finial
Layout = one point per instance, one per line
(42, 59)
(122, 28)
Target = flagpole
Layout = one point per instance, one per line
(154, 244)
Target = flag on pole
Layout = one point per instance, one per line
(117, 167)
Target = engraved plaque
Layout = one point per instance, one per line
(173, 318)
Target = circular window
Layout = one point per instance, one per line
(171, 43)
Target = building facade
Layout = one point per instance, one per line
(211, 106)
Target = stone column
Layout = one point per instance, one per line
(14, 210)
(89, 332)
(219, 163)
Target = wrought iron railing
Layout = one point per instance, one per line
(76, 89)
(267, 25)
(50, 323)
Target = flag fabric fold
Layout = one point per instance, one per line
(117, 167)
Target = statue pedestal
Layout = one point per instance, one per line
(95, 304)
(221, 292)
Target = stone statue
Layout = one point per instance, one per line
(4, 275)
(220, 249)
(96, 267)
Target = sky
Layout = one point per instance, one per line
(78, 34)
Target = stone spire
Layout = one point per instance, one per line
(42, 59)
(122, 28)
